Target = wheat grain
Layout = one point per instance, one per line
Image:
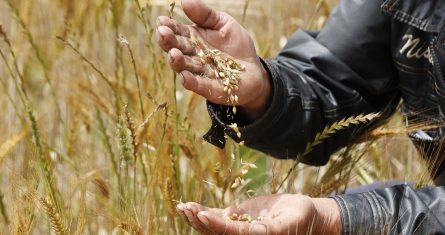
(169, 192)
(131, 229)
(226, 68)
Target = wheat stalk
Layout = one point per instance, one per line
(86, 60)
(125, 42)
(38, 54)
(106, 138)
(246, 6)
(16, 66)
(134, 144)
(44, 162)
(328, 132)
(125, 158)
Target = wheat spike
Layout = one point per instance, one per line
(57, 223)
(124, 147)
(8, 145)
(125, 42)
(336, 127)
(86, 60)
(131, 229)
(327, 187)
(169, 193)
(102, 186)
(328, 132)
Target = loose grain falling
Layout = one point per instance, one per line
(235, 128)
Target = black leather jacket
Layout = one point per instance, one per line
(369, 56)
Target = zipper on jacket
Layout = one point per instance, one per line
(440, 80)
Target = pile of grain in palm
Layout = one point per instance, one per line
(226, 68)
(244, 218)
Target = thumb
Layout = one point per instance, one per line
(202, 15)
(221, 225)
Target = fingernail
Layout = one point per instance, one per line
(203, 218)
(180, 207)
(181, 78)
(258, 229)
(170, 57)
(159, 34)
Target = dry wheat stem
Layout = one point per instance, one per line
(85, 59)
(19, 83)
(125, 42)
(38, 55)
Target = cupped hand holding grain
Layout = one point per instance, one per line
(274, 214)
(222, 32)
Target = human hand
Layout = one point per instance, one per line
(275, 214)
(218, 30)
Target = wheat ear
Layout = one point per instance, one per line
(130, 228)
(328, 132)
(57, 223)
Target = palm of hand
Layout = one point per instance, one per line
(234, 41)
(283, 214)
(274, 214)
(222, 32)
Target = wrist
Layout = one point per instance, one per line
(258, 106)
(328, 218)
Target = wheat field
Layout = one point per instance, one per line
(97, 137)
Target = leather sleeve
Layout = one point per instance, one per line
(396, 210)
(318, 78)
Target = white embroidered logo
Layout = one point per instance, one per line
(414, 48)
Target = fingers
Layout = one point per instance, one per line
(180, 210)
(215, 221)
(202, 15)
(212, 89)
(177, 28)
(189, 212)
(180, 62)
(167, 39)
(222, 225)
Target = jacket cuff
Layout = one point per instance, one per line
(222, 116)
(362, 214)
